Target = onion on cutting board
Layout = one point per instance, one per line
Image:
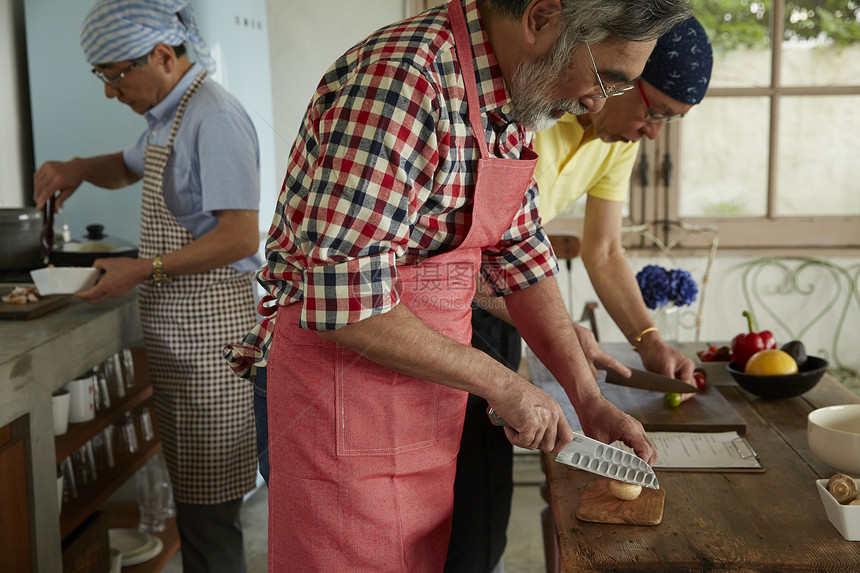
(623, 490)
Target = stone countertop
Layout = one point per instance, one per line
(44, 353)
(40, 355)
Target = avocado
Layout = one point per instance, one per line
(796, 350)
(724, 354)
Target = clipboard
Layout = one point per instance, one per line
(711, 451)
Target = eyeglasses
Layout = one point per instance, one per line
(114, 81)
(607, 91)
(657, 116)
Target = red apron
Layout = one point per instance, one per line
(362, 458)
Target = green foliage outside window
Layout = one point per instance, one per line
(746, 23)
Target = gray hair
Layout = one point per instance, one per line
(593, 20)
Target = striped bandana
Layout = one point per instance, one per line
(120, 30)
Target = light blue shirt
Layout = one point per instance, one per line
(215, 163)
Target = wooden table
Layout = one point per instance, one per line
(722, 521)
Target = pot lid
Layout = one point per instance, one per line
(95, 241)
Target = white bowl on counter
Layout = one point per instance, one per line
(845, 518)
(834, 437)
(64, 280)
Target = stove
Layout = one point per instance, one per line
(16, 277)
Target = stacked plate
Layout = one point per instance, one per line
(136, 547)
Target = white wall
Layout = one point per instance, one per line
(305, 38)
(72, 117)
(237, 35)
(15, 144)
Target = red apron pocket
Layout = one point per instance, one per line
(381, 412)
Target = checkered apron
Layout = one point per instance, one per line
(205, 415)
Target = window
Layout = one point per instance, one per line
(770, 154)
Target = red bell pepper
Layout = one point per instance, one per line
(744, 345)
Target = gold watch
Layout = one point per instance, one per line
(158, 277)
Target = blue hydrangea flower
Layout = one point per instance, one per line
(683, 289)
(654, 283)
(660, 287)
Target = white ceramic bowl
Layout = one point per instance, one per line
(845, 518)
(834, 437)
(64, 280)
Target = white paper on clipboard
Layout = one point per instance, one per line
(704, 451)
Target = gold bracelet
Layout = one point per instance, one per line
(638, 339)
(159, 277)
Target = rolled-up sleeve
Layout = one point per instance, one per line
(374, 147)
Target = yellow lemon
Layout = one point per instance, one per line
(771, 362)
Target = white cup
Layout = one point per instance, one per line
(82, 407)
(60, 405)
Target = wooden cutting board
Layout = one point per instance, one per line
(597, 504)
(33, 309)
(708, 411)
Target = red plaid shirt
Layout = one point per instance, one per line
(381, 175)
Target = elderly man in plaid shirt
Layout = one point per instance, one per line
(411, 173)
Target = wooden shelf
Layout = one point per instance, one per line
(125, 515)
(94, 494)
(80, 434)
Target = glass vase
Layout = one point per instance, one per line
(667, 319)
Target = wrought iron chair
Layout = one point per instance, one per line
(822, 295)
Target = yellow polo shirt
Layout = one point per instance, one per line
(572, 162)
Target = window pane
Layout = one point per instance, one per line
(817, 169)
(740, 35)
(724, 158)
(821, 45)
(741, 68)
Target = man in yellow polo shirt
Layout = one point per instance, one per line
(593, 155)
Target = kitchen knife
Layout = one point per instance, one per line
(608, 461)
(596, 457)
(649, 381)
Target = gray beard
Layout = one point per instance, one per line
(531, 85)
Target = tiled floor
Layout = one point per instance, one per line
(524, 553)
